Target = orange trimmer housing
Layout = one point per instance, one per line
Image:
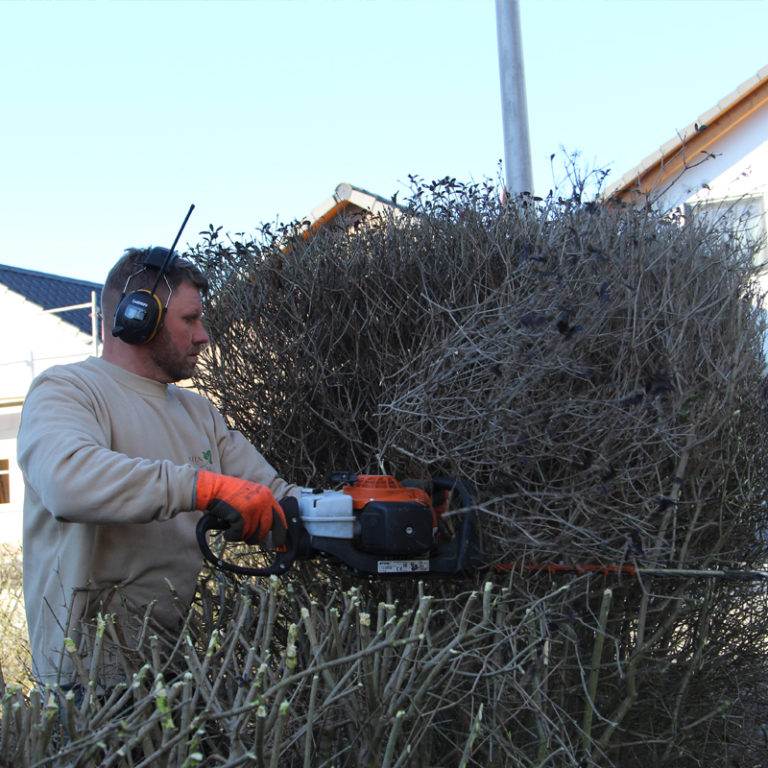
(385, 488)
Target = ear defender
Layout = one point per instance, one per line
(138, 317)
(139, 314)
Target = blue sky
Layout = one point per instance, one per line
(117, 115)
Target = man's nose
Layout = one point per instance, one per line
(201, 337)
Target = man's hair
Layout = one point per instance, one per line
(130, 274)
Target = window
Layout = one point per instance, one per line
(744, 216)
(5, 482)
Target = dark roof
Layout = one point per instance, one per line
(51, 291)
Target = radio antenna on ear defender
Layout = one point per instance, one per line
(169, 258)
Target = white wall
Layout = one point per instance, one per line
(739, 166)
(736, 173)
(33, 341)
(10, 514)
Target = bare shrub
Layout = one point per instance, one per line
(595, 374)
(299, 673)
(14, 642)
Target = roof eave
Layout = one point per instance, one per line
(345, 195)
(693, 144)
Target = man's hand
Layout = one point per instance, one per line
(250, 509)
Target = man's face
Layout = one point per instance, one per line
(175, 350)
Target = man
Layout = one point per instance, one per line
(116, 461)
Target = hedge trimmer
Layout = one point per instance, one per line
(377, 526)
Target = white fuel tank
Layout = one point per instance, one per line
(327, 513)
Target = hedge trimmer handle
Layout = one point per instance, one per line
(283, 559)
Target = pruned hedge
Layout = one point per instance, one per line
(596, 374)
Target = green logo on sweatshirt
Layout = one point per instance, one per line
(203, 460)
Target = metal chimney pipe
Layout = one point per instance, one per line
(514, 109)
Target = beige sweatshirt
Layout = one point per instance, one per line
(109, 461)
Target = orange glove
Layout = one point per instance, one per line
(250, 509)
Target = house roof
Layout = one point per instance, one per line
(52, 291)
(349, 199)
(693, 143)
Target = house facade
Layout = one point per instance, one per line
(49, 320)
(717, 167)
